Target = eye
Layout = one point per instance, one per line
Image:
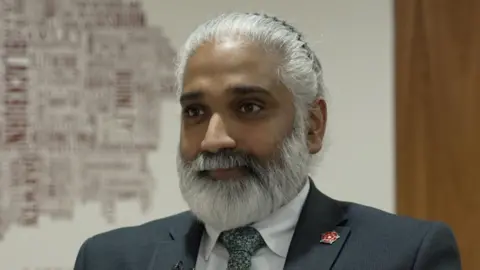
(192, 112)
(250, 108)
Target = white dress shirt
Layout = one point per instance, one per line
(277, 232)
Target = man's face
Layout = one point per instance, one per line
(242, 153)
(232, 99)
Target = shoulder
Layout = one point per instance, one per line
(156, 230)
(123, 246)
(413, 243)
(369, 219)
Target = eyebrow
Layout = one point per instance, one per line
(239, 90)
(195, 95)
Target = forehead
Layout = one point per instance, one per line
(215, 67)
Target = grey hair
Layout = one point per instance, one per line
(300, 70)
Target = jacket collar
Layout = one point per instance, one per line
(320, 214)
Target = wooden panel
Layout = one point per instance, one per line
(438, 116)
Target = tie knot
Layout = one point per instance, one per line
(246, 239)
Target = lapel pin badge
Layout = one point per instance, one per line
(329, 237)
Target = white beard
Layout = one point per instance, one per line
(239, 202)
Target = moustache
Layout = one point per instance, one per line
(225, 159)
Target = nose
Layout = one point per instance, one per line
(217, 136)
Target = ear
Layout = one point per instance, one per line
(317, 125)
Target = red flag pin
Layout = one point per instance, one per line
(329, 237)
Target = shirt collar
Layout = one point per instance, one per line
(211, 238)
(277, 229)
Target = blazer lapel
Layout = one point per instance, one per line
(182, 249)
(319, 215)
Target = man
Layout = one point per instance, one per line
(253, 119)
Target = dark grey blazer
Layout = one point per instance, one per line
(369, 240)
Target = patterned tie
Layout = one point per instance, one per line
(241, 244)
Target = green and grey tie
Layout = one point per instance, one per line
(241, 243)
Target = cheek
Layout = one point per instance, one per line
(263, 144)
(265, 138)
(189, 147)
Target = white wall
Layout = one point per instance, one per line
(353, 40)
